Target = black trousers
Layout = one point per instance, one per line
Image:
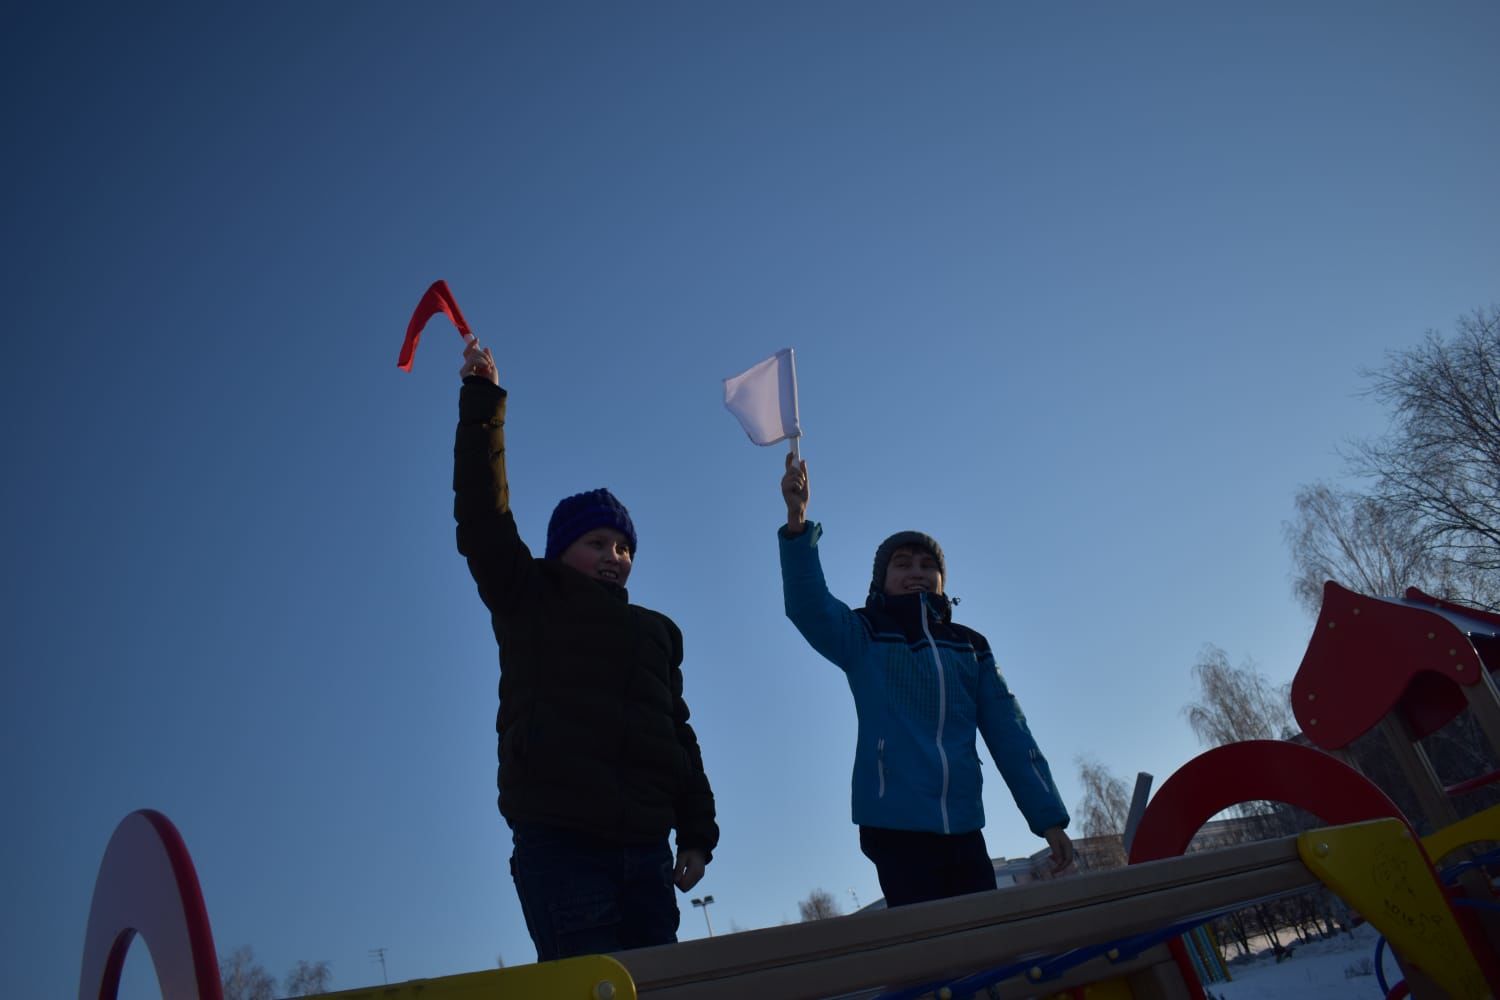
(582, 895)
(914, 866)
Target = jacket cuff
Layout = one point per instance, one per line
(692, 843)
(811, 532)
(1058, 820)
(477, 400)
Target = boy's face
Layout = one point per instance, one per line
(603, 554)
(912, 569)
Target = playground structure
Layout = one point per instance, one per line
(1406, 667)
(1421, 661)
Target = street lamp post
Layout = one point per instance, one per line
(704, 903)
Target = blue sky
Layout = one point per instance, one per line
(1083, 291)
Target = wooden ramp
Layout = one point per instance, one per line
(944, 940)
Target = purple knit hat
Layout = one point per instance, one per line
(577, 515)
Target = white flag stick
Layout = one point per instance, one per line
(791, 363)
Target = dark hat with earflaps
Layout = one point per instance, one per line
(904, 539)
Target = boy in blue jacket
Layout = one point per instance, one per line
(923, 685)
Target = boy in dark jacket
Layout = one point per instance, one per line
(924, 687)
(597, 761)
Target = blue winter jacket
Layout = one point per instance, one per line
(922, 685)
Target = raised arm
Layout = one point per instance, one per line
(824, 621)
(498, 560)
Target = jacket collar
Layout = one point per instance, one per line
(907, 608)
(612, 589)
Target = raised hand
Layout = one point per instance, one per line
(478, 361)
(794, 490)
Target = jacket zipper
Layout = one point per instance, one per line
(880, 765)
(937, 663)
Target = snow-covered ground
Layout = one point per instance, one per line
(1339, 967)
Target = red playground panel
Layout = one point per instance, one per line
(1253, 771)
(1370, 656)
(147, 886)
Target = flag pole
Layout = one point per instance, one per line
(791, 360)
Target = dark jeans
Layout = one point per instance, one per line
(914, 866)
(585, 896)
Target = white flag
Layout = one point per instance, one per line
(764, 399)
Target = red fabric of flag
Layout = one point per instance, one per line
(437, 299)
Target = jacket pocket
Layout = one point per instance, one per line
(880, 766)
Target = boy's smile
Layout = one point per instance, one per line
(912, 570)
(603, 554)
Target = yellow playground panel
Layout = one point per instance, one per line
(592, 977)
(1378, 868)
(1479, 828)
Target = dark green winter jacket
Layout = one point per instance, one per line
(593, 731)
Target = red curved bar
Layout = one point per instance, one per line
(1255, 770)
(147, 885)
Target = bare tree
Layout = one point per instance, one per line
(1360, 542)
(818, 905)
(243, 978)
(1106, 801)
(1236, 703)
(1369, 545)
(1440, 464)
(308, 978)
(1101, 816)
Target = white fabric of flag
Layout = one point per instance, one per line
(764, 399)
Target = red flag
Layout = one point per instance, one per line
(437, 299)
